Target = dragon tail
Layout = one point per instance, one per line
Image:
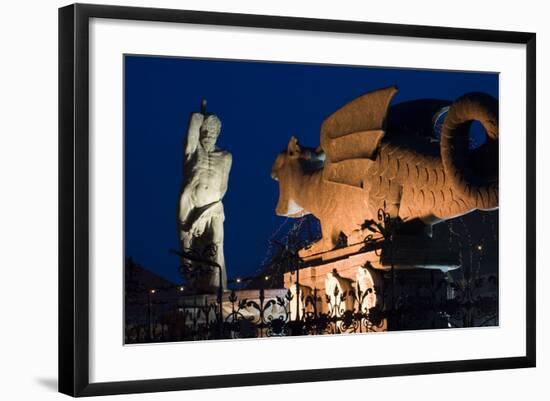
(473, 174)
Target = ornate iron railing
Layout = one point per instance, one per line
(406, 300)
(436, 303)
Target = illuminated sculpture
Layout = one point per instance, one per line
(360, 168)
(298, 304)
(368, 285)
(201, 213)
(338, 290)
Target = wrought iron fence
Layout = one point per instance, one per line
(435, 302)
(406, 300)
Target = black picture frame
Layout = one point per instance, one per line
(74, 198)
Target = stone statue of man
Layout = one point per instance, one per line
(206, 172)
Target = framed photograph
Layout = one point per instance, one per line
(236, 190)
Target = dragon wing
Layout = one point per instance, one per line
(351, 135)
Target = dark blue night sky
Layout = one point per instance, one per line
(260, 105)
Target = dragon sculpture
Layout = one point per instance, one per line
(362, 166)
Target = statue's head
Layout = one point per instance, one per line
(285, 167)
(289, 165)
(209, 132)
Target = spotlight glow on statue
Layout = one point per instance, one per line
(201, 213)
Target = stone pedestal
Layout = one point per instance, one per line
(406, 252)
(375, 275)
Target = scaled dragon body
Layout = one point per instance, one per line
(360, 168)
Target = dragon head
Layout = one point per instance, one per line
(285, 171)
(289, 167)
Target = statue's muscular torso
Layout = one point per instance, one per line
(207, 176)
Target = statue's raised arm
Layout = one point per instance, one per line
(193, 134)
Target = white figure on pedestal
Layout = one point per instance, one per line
(336, 288)
(201, 214)
(368, 286)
